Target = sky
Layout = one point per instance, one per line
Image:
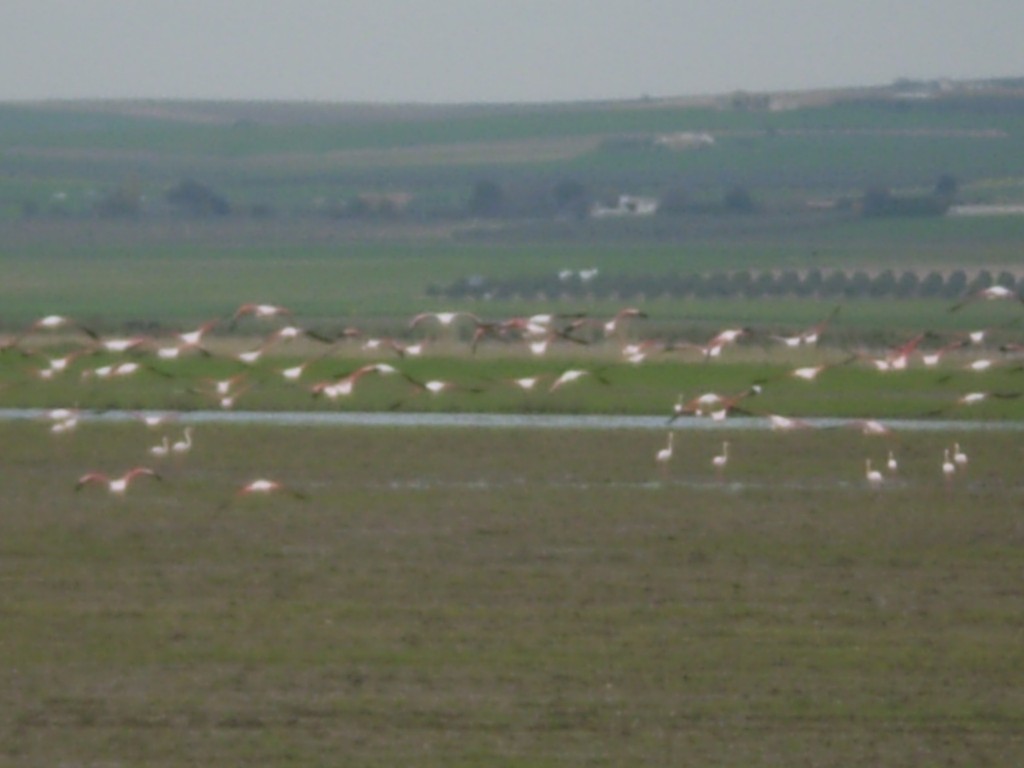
(494, 51)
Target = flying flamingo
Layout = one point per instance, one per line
(611, 326)
(54, 323)
(116, 485)
(446, 319)
(574, 374)
(992, 293)
(810, 335)
(931, 359)
(259, 311)
(972, 398)
(346, 384)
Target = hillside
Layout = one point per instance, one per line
(344, 161)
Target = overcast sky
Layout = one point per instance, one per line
(492, 50)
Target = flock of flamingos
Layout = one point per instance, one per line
(538, 333)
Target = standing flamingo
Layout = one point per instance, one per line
(948, 467)
(664, 456)
(183, 446)
(162, 449)
(959, 456)
(719, 462)
(873, 476)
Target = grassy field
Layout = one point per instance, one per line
(114, 273)
(481, 597)
(490, 597)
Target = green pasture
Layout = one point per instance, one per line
(174, 274)
(509, 597)
(484, 382)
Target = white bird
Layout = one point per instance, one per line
(719, 462)
(664, 456)
(959, 457)
(115, 485)
(892, 464)
(948, 467)
(873, 476)
(183, 446)
(263, 487)
(161, 450)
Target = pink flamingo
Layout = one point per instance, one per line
(116, 485)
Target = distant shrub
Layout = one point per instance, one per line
(932, 286)
(907, 285)
(956, 285)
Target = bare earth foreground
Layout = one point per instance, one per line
(510, 597)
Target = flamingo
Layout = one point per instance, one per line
(259, 311)
(664, 456)
(263, 487)
(574, 374)
(972, 398)
(292, 332)
(446, 319)
(56, 322)
(810, 335)
(873, 476)
(891, 464)
(719, 462)
(870, 427)
(183, 446)
(959, 456)
(346, 384)
(611, 326)
(162, 450)
(194, 337)
(992, 293)
(786, 424)
(154, 420)
(122, 344)
(116, 485)
(931, 359)
(948, 467)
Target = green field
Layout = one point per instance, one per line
(482, 597)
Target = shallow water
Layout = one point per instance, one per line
(500, 420)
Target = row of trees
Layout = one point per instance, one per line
(834, 284)
(492, 200)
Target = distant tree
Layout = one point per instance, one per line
(674, 202)
(907, 285)
(956, 284)
(487, 199)
(124, 201)
(193, 198)
(946, 188)
(884, 284)
(932, 285)
(571, 197)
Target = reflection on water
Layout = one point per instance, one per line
(500, 420)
